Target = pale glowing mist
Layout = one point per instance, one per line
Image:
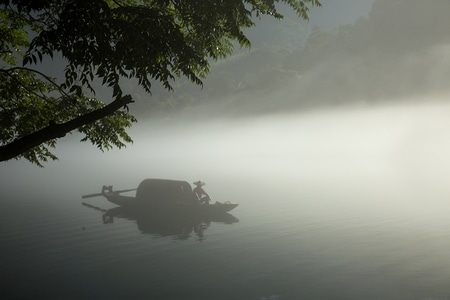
(399, 151)
(380, 163)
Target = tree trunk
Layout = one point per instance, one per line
(53, 131)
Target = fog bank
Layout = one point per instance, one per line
(385, 151)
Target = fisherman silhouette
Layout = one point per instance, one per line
(202, 196)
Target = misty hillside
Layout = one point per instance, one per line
(401, 50)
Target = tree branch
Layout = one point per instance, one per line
(46, 77)
(53, 131)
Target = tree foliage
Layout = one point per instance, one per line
(106, 41)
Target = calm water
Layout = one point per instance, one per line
(365, 219)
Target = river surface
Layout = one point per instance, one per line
(336, 205)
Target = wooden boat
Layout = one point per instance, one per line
(163, 196)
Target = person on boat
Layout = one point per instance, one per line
(200, 193)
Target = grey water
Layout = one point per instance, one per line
(335, 204)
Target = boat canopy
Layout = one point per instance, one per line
(159, 191)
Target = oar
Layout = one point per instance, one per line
(91, 195)
(101, 194)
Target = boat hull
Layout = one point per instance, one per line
(134, 203)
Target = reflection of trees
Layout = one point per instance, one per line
(176, 225)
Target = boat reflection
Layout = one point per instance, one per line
(180, 227)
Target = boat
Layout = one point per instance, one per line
(163, 196)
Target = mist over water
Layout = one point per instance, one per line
(394, 159)
(385, 142)
(403, 147)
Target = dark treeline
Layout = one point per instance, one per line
(400, 50)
